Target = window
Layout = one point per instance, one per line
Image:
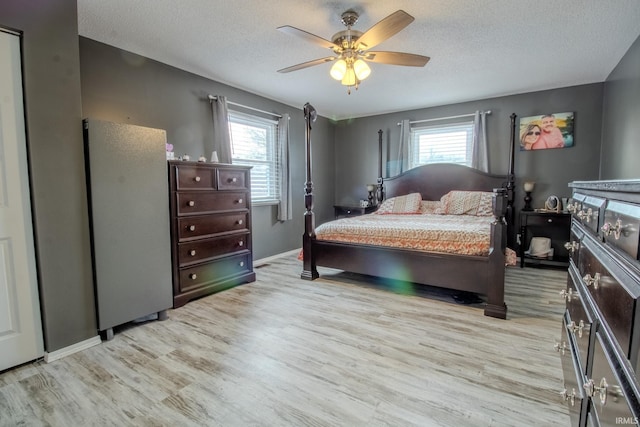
(450, 143)
(253, 143)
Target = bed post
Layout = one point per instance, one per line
(309, 271)
(511, 192)
(495, 293)
(380, 191)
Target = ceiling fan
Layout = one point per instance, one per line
(351, 48)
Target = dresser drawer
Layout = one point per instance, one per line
(197, 251)
(232, 179)
(199, 202)
(608, 399)
(214, 271)
(621, 227)
(573, 245)
(195, 227)
(192, 177)
(589, 211)
(579, 322)
(573, 392)
(605, 283)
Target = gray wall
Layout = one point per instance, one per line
(54, 134)
(621, 119)
(552, 170)
(122, 87)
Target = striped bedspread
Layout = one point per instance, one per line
(452, 234)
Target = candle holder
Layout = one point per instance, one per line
(528, 188)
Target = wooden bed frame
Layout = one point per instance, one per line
(481, 275)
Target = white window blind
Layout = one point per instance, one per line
(448, 143)
(253, 143)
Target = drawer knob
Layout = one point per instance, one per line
(577, 329)
(234, 179)
(240, 222)
(549, 220)
(585, 215)
(241, 263)
(192, 252)
(240, 200)
(191, 203)
(595, 280)
(193, 276)
(196, 179)
(592, 389)
(571, 397)
(572, 246)
(616, 229)
(192, 228)
(569, 295)
(240, 243)
(561, 348)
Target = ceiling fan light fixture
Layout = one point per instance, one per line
(349, 78)
(361, 69)
(339, 69)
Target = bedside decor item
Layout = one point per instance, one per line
(214, 157)
(553, 204)
(202, 159)
(371, 188)
(528, 188)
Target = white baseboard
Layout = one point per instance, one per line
(261, 261)
(74, 348)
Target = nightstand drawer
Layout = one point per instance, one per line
(347, 211)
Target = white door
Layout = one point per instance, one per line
(20, 322)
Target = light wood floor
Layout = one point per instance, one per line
(339, 351)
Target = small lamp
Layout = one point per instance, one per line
(528, 188)
(371, 188)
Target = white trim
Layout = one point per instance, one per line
(74, 348)
(261, 261)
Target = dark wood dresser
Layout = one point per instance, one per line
(210, 228)
(600, 341)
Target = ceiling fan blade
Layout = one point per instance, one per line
(307, 64)
(397, 58)
(287, 29)
(384, 29)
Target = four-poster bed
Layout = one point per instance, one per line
(481, 274)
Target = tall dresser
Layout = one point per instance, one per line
(600, 344)
(210, 228)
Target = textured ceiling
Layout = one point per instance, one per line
(479, 49)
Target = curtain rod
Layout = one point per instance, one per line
(213, 98)
(446, 118)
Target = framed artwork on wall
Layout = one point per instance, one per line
(553, 130)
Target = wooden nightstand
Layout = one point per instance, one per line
(347, 211)
(555, 226)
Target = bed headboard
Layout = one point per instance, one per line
(435, 180)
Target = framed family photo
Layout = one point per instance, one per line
(553, 130)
